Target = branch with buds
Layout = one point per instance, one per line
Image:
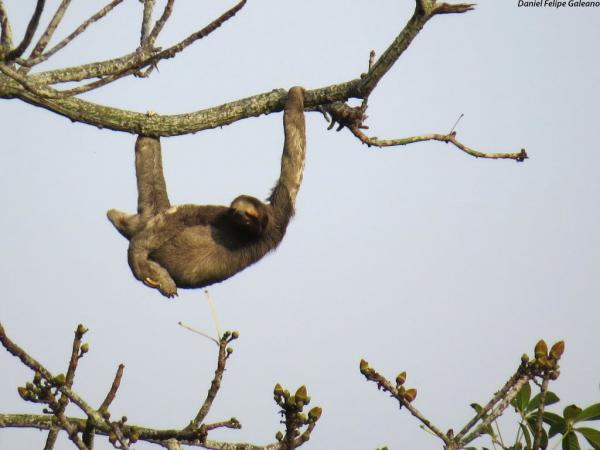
(55, 392)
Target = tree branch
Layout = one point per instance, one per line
(47, 35)
(448, 138)
(6, 30)
(160, 23)
(146, 18)
(79, 30)
(31, 29)
(215, 384)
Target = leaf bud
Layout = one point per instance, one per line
(229, 350)
(278, 391)
(59, 379)
(23, 392)
(279, 436)
(541, 349)
(315, 413)
(524, 358)
(81, 330)
(302, 395)
(85, 348)
(410, 395)
(557, 350)
(235, 335)
(37, 378)
(401, 378)
(364, 367)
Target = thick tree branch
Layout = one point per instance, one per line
(36, 93)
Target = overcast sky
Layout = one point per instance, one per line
(420, 258)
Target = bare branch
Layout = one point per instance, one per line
(113, 390)
(499, 409)
(160, 23)
(487, 408)
(448, 138)
(80, 29)
(420, 17)
(458, 8)
(173, 50)
(540, 413)
(52, 26)
(6, 36)
(215, 384)
(31, 29)
(75, 356)
(71, 431)
(383, 383)
(146, 18)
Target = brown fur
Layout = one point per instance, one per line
(192, 246)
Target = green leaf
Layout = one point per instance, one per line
(521, 400)
(570, 442)
(551, 398)
(526, 435)
(591, 435)
(556, 422)
(590, 413)
(570, 412)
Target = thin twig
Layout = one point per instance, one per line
(383, 383)
(487, 408)
(80, 29)
(146, 18)
(71, 431)
(29, 32)
(6, 36)
(160, 23)
(448, 138)
(540, 418)
(173, 50)
(201, 333)
(214, 386)
(110, 396)
(232, 423)
(50, 29)
(498, 410)
(213, 313)
(73, 361)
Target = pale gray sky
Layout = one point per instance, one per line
(420, 259)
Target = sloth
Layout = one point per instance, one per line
(193, 246)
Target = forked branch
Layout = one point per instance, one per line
(544, 366)
(55, 392)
